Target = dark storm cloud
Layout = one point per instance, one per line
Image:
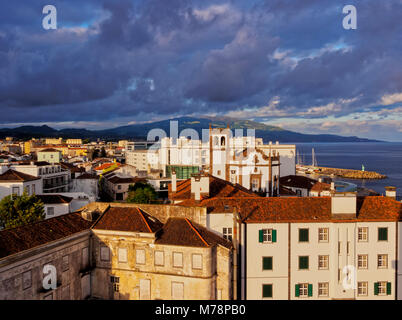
(112, 59)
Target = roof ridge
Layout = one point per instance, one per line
(146, 223)
(195, 230)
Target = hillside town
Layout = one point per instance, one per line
(187, 219)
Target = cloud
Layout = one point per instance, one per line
(261, 59)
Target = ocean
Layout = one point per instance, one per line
(382, 157)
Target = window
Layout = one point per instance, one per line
(362, 288)
(65, 263)
(362, 261)
(177, 290)
(140, 256)
(227, 233)
(50, 211)
(362, 235)
(382, 234)
(119, 187)
(33, 189)
(266, 263)
(382, 288)
(323, 234)
(105, 253)
(267, 290)
(323, 289)
(267, 235)
(115, 282)
(27, 190)
(16, 191)
(177, 259)
(304, 290)
(122, 254)
(323, 262)
(303, 262)
(382, 261)
(159, 258)
(85, 257)
(197, 261)
(303, 235)
(26, 280)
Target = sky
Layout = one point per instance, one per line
(282, 62)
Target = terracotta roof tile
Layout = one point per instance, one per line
(29, 236)
(297, 209)
(131, 219)
(217, 188)
(183, 232)
(54, 198)
(13, 175)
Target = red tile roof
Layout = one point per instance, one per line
(299, 209)
(16, 176)
(39, 233)
(131, 219)
(54, 198)
(183, 232)
(217, 188)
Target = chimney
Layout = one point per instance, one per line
(333, 186)
(174, 181)
(199, 184)
(390, 192)
(320, 180)
(344, 205)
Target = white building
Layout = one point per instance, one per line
(304, 247)
(14, 182)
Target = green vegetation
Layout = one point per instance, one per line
(141, 192)
(20, 210)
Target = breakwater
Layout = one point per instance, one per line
(347, 173)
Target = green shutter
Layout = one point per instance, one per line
(303, 235)
(267, 263)
(297, 290)
(273, 235)
(267, 290)
(303, 263)
(310, 290)
(376, 288)
(388, 288)
(383, 234)
(261, 236)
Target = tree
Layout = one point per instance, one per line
(20, 210)
(102, 153)
(141, 192)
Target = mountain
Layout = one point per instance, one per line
(140, 131)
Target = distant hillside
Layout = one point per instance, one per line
(140, 131)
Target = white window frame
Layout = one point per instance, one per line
(362, 234)
(362, 261)
(228, 233)
(267, 235)
(323, 234)
(303, 290)
(382, 261)
(323, 262)
(194, 263)
(382, 288)
(362, 288)
(323, 289)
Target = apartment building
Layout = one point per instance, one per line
(143, 160)
(307, 247)
(50, 155)
(54, 177)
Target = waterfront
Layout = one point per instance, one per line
(381, 157)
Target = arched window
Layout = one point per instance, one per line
(222, 141)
